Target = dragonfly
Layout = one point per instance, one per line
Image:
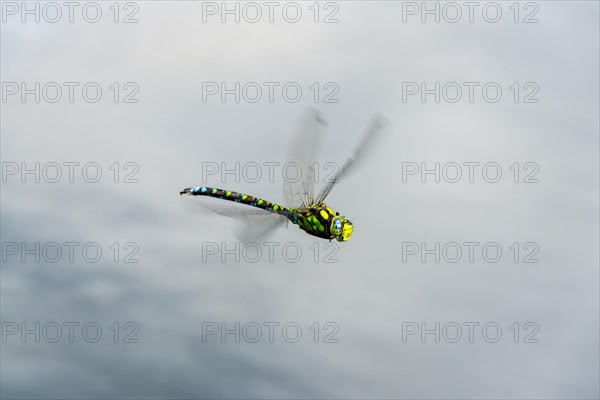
(304, 209)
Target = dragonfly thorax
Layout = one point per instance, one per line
(321, 221)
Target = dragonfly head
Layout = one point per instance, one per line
(341, 228)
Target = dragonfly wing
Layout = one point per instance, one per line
(373, 131)
(298, 186)
(205, 205)
(259, 229)
(256, 223)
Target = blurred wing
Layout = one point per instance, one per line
(298, 187)
(259, 229)
(373, 131)
(257, 224)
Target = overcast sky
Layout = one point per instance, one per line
(170, 126)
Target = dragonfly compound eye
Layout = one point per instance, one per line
(341, 228)
(336, 226)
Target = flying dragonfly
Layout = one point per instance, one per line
(310, 213)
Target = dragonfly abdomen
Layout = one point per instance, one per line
(235, 197)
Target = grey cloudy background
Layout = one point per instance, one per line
(370, 292)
